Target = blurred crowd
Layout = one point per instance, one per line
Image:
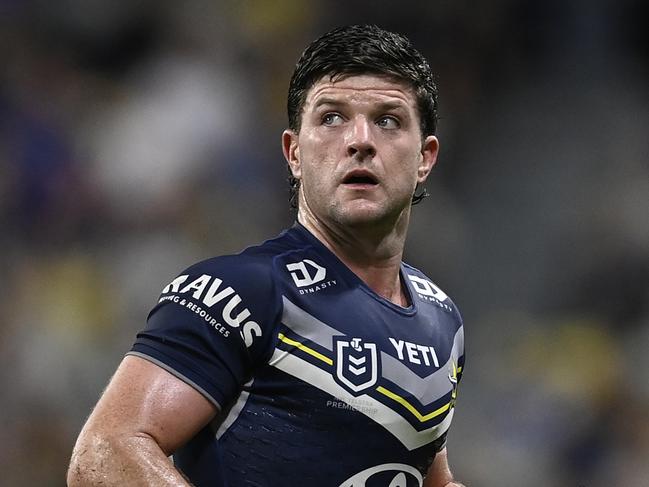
(139, 137)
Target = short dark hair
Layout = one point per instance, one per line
(362, 49)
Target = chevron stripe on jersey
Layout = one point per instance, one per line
(319, 380)
(416, 410)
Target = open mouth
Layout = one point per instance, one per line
(360, 178)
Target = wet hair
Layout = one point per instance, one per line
(362, 49)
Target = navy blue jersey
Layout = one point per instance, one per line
(320, 381)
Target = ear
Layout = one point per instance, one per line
(292, 152)
(429, 150)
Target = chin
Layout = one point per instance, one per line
(363, 214)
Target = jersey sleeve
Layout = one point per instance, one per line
(212, 324)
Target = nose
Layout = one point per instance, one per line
(360, 141)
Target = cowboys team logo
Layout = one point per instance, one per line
(452, 377)
(357, 364)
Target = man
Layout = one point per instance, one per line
(317, 358)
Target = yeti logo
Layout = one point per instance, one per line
(357, 364)
(388, 474)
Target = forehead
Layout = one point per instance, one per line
(363, 88)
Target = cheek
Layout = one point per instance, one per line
(314, 170)
(404, 161)
(317, 156)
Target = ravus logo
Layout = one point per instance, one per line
(208, 291)
(357, 364)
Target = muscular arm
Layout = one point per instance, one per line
(144, 415)
(439, 473)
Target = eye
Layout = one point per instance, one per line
(332, 119)
(388, 122)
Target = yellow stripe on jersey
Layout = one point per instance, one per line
(381, 389)
(411, 408)
(305, 349)
(377, 411)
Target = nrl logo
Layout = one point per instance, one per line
(357, 364)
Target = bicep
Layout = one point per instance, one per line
(143, 399)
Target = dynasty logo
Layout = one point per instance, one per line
(309, 277)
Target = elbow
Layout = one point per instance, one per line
(90, 461)
(75, 476)
(78, 470)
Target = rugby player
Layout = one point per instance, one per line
(317, 358)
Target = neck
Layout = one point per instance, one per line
(372, 252)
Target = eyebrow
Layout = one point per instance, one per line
(327, 101)
(386, 105)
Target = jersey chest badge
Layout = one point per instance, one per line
(357, 364)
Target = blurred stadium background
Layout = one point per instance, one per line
(138, 137)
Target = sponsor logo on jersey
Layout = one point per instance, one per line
(309, 277)
(302, 276)
(357, 364)
(209, 291)
(414, 353)
(388, 475)
(428, 291)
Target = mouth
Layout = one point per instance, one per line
(360, 178)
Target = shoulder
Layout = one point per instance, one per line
(250, 271)
(232, 293)
(247, 280)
